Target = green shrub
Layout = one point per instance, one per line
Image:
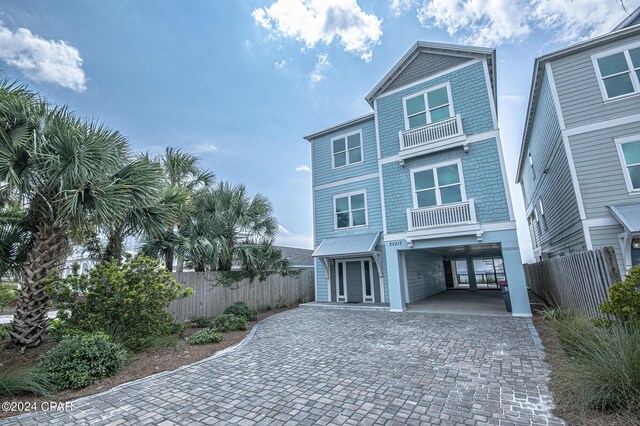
(263, 308)
(604, 372)
(8, 294)
(241, 309)
(282, 303)
(24, 382)
(624, 298)
(202, 322)
(229, 322)
(4, 331)
(128, 302)
(304, 299)
(78, 361)
(204, 336)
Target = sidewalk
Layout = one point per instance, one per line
(6, 319)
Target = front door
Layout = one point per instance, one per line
(354, 282)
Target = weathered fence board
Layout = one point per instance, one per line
(210, 299)
(579, 281)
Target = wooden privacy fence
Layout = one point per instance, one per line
(210, 299)
(579, 281)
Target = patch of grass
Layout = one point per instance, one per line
(604, 370)
(24, 382)
(204, 336)
(556, 314)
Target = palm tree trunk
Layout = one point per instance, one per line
(30, 319)
(115, 247)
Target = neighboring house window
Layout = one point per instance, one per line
(534, 228)
(350, 210)
(428, 107)
(347, 149)
(629, 152)
(437, 185)
(533, 171)
(619, 73)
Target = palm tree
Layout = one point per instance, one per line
(183, 178)
(60, 168)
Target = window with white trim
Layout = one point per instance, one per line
(347, 149)
(630, 157)
(350, 210)
(437, 185)
(619, 73)
(428, 107)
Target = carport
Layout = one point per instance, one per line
(454, 279)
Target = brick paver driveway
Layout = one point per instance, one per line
(314, 365)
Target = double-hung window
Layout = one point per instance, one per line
(629, 152)
(347, 149)
(618, 73)
(438, 185)
(350, 210)
(428, 107)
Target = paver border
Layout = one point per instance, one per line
(121, 386)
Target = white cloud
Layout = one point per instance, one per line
(493, 22)
(317, 75)
(204, 148)
(512, 99)
(303, 168)
(322, 21)
(284, 231)
(50, 61)
(280, 65)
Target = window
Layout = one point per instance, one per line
(347, 149)
(619, 73)
(629, 152)
(437, 185)
(350, 210)
(428, 107)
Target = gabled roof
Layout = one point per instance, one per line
(538, 75)
(629, 20)
(298, 257)
(344, 125)
(471, 52)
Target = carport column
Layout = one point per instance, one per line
(515, 278)
(392, 254)
(471, 274)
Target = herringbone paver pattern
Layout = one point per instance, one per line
(325, 366)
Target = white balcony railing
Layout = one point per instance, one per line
(433, 132)
(461, 213)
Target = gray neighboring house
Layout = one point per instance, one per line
(579, 165)
(300, 258)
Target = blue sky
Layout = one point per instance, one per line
(240, 83)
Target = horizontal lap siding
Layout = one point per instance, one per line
(322, 156)
(323, 199)
(579, 92)
(603, 236)
(599, 170)
(482, 178)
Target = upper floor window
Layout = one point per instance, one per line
(629, 151)
(350, 210)
(619, 73)
(440, 184)
(428, 107)
(347, 149)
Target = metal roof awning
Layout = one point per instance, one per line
(351, 246)
(628, 215)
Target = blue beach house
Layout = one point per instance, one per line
(412, 199)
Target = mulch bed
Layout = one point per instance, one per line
(150, 361)
(556, 358)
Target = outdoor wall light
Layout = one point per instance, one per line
(635, 243)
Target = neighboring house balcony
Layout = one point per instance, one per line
(432, 137)
(443, 221)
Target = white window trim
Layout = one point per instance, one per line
(366, 210)
(541, 209)
(345, 296)
(346, 145)
(625, 170)
(634, 77)
(435, 179)
(426, 102)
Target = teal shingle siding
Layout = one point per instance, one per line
(322, 156)
(482, 178)
(470, 100)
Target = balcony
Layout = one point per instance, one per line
(433, 137)
(442, 221)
